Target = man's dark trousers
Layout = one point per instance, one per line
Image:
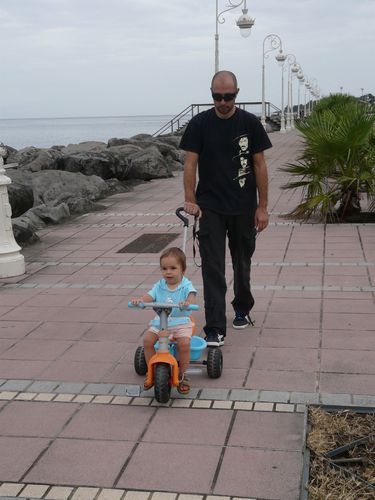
(213, 229)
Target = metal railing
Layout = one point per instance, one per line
(180, 120)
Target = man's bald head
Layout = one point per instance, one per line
(223, 78)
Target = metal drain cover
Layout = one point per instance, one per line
(149, 243)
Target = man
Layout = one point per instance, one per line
(225, 144)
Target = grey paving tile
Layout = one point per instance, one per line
(304, 397)
(70, 387)
(126, 390)
(336, 399)
(214, 394)
(43, 386)
(97, 389)
(15, 385)
(244, 395)
(274, 396)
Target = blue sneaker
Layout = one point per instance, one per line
(242, 321)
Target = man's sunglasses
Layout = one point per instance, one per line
(223, 97)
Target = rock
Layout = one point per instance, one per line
(50, 214)
(23, 231)
(149, 164)
(84, 147)
(78, 191)
(21, 197)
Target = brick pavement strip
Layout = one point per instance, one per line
(51, 492)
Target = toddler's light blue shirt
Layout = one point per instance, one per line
(161, 293)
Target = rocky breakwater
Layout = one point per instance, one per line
(49, 185)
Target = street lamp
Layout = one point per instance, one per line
(275, 43)
(244, 22)
(280, 58)
(293, 67)
(301, 80)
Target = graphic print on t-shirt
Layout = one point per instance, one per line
(241, 145)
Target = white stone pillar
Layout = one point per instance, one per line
(12, 263)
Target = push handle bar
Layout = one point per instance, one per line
(162, 305)
(184, 219)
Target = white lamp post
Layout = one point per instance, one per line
(244, 22)
(275, 43)
(12, 263)
(301, 79)
(280, 58)
(291, 60)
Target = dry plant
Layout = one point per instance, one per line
(350, 475)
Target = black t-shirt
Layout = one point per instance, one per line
(225, 147)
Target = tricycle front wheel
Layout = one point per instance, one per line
(214, 362)
(162, 382)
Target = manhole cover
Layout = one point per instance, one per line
(149, 243)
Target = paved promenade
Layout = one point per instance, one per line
(74, 423)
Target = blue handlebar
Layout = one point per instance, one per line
(142, 305)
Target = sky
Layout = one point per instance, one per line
(64, 58)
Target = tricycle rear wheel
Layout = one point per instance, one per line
(214, 362)
(162, 382)
(140, 364)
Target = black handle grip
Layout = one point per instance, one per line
(184, 219)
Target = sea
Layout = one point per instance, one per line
(46, 132)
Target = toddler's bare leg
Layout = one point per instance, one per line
(183, 347)
(149, 341)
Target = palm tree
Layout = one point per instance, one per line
(338, 162)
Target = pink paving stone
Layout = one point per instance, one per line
(17, 455)
(129, 316)
(277, 431)
(22, 369)
(5, 345)
(348, 361)
(33, 419)
(66, 270)
(12, 299)
(276, 337)
(36, 350)
(333, 383)
(115, 333)
(345, 339)
(346, 281)
(237, 356)
(97, 302)
(102, 351)
(109, 422)
(348, 306)
(286, 358)
(51, 300)
(300, 280)
(5, 309)
(271, 380)
(81, 462)
(230, 378)
(123, 373)
(84, 314)
(208, 427)
(294, 304)
(73, 371)
(60, 330)
(193, 469)
(247, 472)
(24, 313)
(292, 320)
(350, 321)
(46, 279)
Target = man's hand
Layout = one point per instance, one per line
(261, 219)
(192, 209)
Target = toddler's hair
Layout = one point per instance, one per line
(177, 253)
